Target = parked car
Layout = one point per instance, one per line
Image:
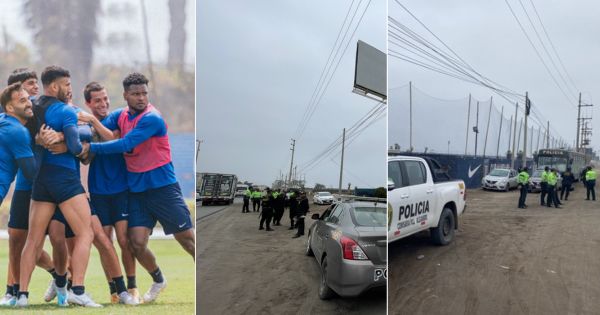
(322, 198)
(536, 179)
(500, 179)
(349, 243)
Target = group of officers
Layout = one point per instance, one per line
(273, 204)
(549, 182)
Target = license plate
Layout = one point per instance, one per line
(380, 273)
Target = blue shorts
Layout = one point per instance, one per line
(110, 208)
(165, 205)
(58, 216)
(56, 184)
(19, 210)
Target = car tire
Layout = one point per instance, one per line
(507, 188)
(325, 292)
(443, 234)
(309, 251)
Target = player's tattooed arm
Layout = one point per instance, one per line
(105, 133)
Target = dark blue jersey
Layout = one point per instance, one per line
(108, 173)
(61, 118)
(15, 144)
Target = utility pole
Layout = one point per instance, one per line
(476, 128)
(487, 129)
(500, 132)
(293, 148)
(510, 127)
(527, 110)
(198, 142)
(342, 163)
(410, 116)
(512, 154)
(548, 135)
(468, 126)
(579, 123)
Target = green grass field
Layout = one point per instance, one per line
(178, 298)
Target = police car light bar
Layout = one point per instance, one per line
(360, 198)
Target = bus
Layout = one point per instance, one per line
(561, 160)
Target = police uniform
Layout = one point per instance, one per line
(552, 196)
(247, 196)
(301, 214)
(267, 211)
(293, 209)
(256, 195)
(524, 183)
(279, 208)
(544, 186)
(590, 179)
(567, 181)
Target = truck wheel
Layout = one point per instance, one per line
(309, 251)
(325, 292)
(443, 234)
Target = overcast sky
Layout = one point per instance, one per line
(13, 20)
(258, 63)
(486, 35)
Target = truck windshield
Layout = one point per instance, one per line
(370, 216)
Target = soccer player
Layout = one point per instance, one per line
(58, 183)
(19, 208)
(60, 229)
(154, 191)
(107, 180)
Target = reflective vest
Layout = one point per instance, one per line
(590, 175)
(148, 155)
(545, 176)
(256, 194)
(248, 193)
(275, 194)
(552, 179)
(523, 178)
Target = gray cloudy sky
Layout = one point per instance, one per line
(486, 35)
(13, 20)
(257, 65)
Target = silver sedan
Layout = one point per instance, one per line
(349, 243)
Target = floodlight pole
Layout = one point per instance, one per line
(342, 162)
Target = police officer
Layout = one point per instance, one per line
(293, 208)
(301, 214)
(247, 196)
(552, 195)
(567, 181)
(256, 195)
(523, 180)
(544, 185)
(590, 179)
(279, 207)
(267, 210)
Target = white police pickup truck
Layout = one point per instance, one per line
(422, 196)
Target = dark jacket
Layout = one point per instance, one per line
(567, 178)
(303, 207)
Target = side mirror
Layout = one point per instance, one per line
(315, 216)
(390, 185)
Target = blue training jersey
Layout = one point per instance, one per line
(108, 173)
(152, 124)
(59, 116)
(15, 143)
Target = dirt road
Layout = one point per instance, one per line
(241, 270)
(504, 261)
